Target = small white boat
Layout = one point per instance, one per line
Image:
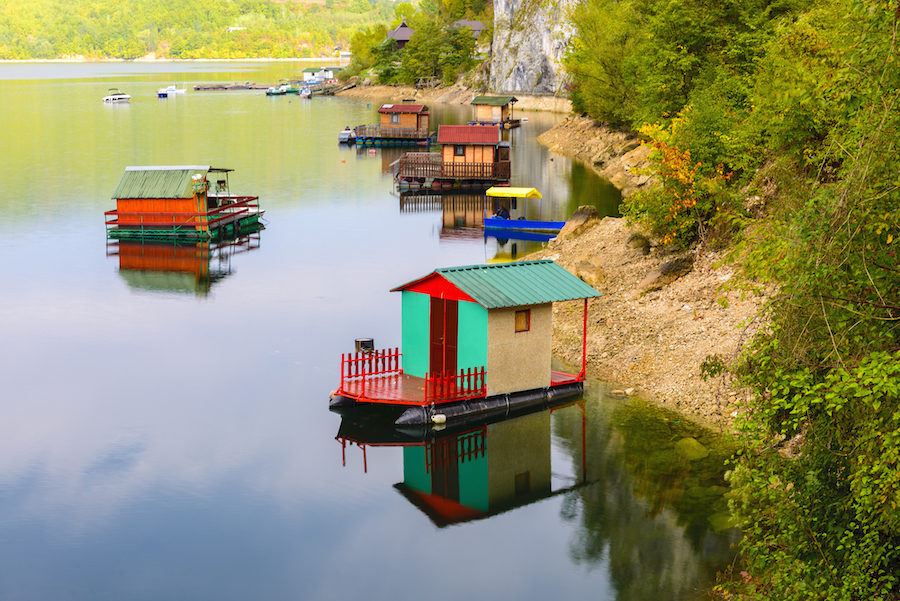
(305, 93)
(169, 91)
(116, 97)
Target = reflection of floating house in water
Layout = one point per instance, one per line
(398, 124)
(477, 472)
(179, 202)
(181, 266)
(462, 215)
(476, 340)
(495, 110)
(471, 156)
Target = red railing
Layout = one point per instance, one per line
(469, 383)
(363, 366)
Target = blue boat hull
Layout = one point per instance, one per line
(495, 223)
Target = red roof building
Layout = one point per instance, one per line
(469, 134)
(389, 109)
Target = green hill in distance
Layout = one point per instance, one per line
(127, 29)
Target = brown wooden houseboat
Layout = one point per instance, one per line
(471, 156)
(397, 124)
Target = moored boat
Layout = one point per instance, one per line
(116, 97)
(513, 215)
(347, 136)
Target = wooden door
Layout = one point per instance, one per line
(444, 325)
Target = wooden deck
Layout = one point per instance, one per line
(366, 133)
(429, 165)
(403, 389)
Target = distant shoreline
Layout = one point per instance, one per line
(82, 60)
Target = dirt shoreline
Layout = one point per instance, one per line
(616, 155)
(455, 94)
(652, 340)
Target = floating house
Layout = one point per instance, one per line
(471, 156)
(475, 339)
(180, 201)
(401, 34)
(495, 110)
(471, 473)
(398, 124)
(178, 266)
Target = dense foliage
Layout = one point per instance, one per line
(438, 52)
(774, 126)
(177, 29)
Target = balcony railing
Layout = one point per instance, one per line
(230, 209)
(362, 366)
(467, 384)
(430, 165)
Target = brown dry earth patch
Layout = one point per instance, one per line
(654, 324)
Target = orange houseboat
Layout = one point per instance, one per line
(471, 156)
(179, 202)
(476, 339)
(398, 124)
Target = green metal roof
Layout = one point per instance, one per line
(515, 284)
(494, 100)
(158, 182)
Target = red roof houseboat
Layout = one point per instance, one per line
(471, 156)
(398, 124)
(180, 202)
(475, 340)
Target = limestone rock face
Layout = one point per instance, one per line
(530, 39)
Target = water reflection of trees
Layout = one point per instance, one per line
(648, 512)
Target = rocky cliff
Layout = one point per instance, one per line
(530, 38)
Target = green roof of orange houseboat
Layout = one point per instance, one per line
(161, 181)
(513, 284)
(494, 100)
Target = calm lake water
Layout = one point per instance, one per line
(165, 434)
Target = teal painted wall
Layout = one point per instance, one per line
(414, 474)
(415, 324)
(473, 336)
(473, 482)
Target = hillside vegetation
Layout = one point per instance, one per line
(438, 51)
(127, 29)
(774, 126)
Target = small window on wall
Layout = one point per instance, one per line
(523, 320)
(395, 118)
(459, 150)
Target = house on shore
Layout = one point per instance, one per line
(321, 73)
(471, 156)
(495, 110)
(401, 34)
(476, 27)
(397, 124)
